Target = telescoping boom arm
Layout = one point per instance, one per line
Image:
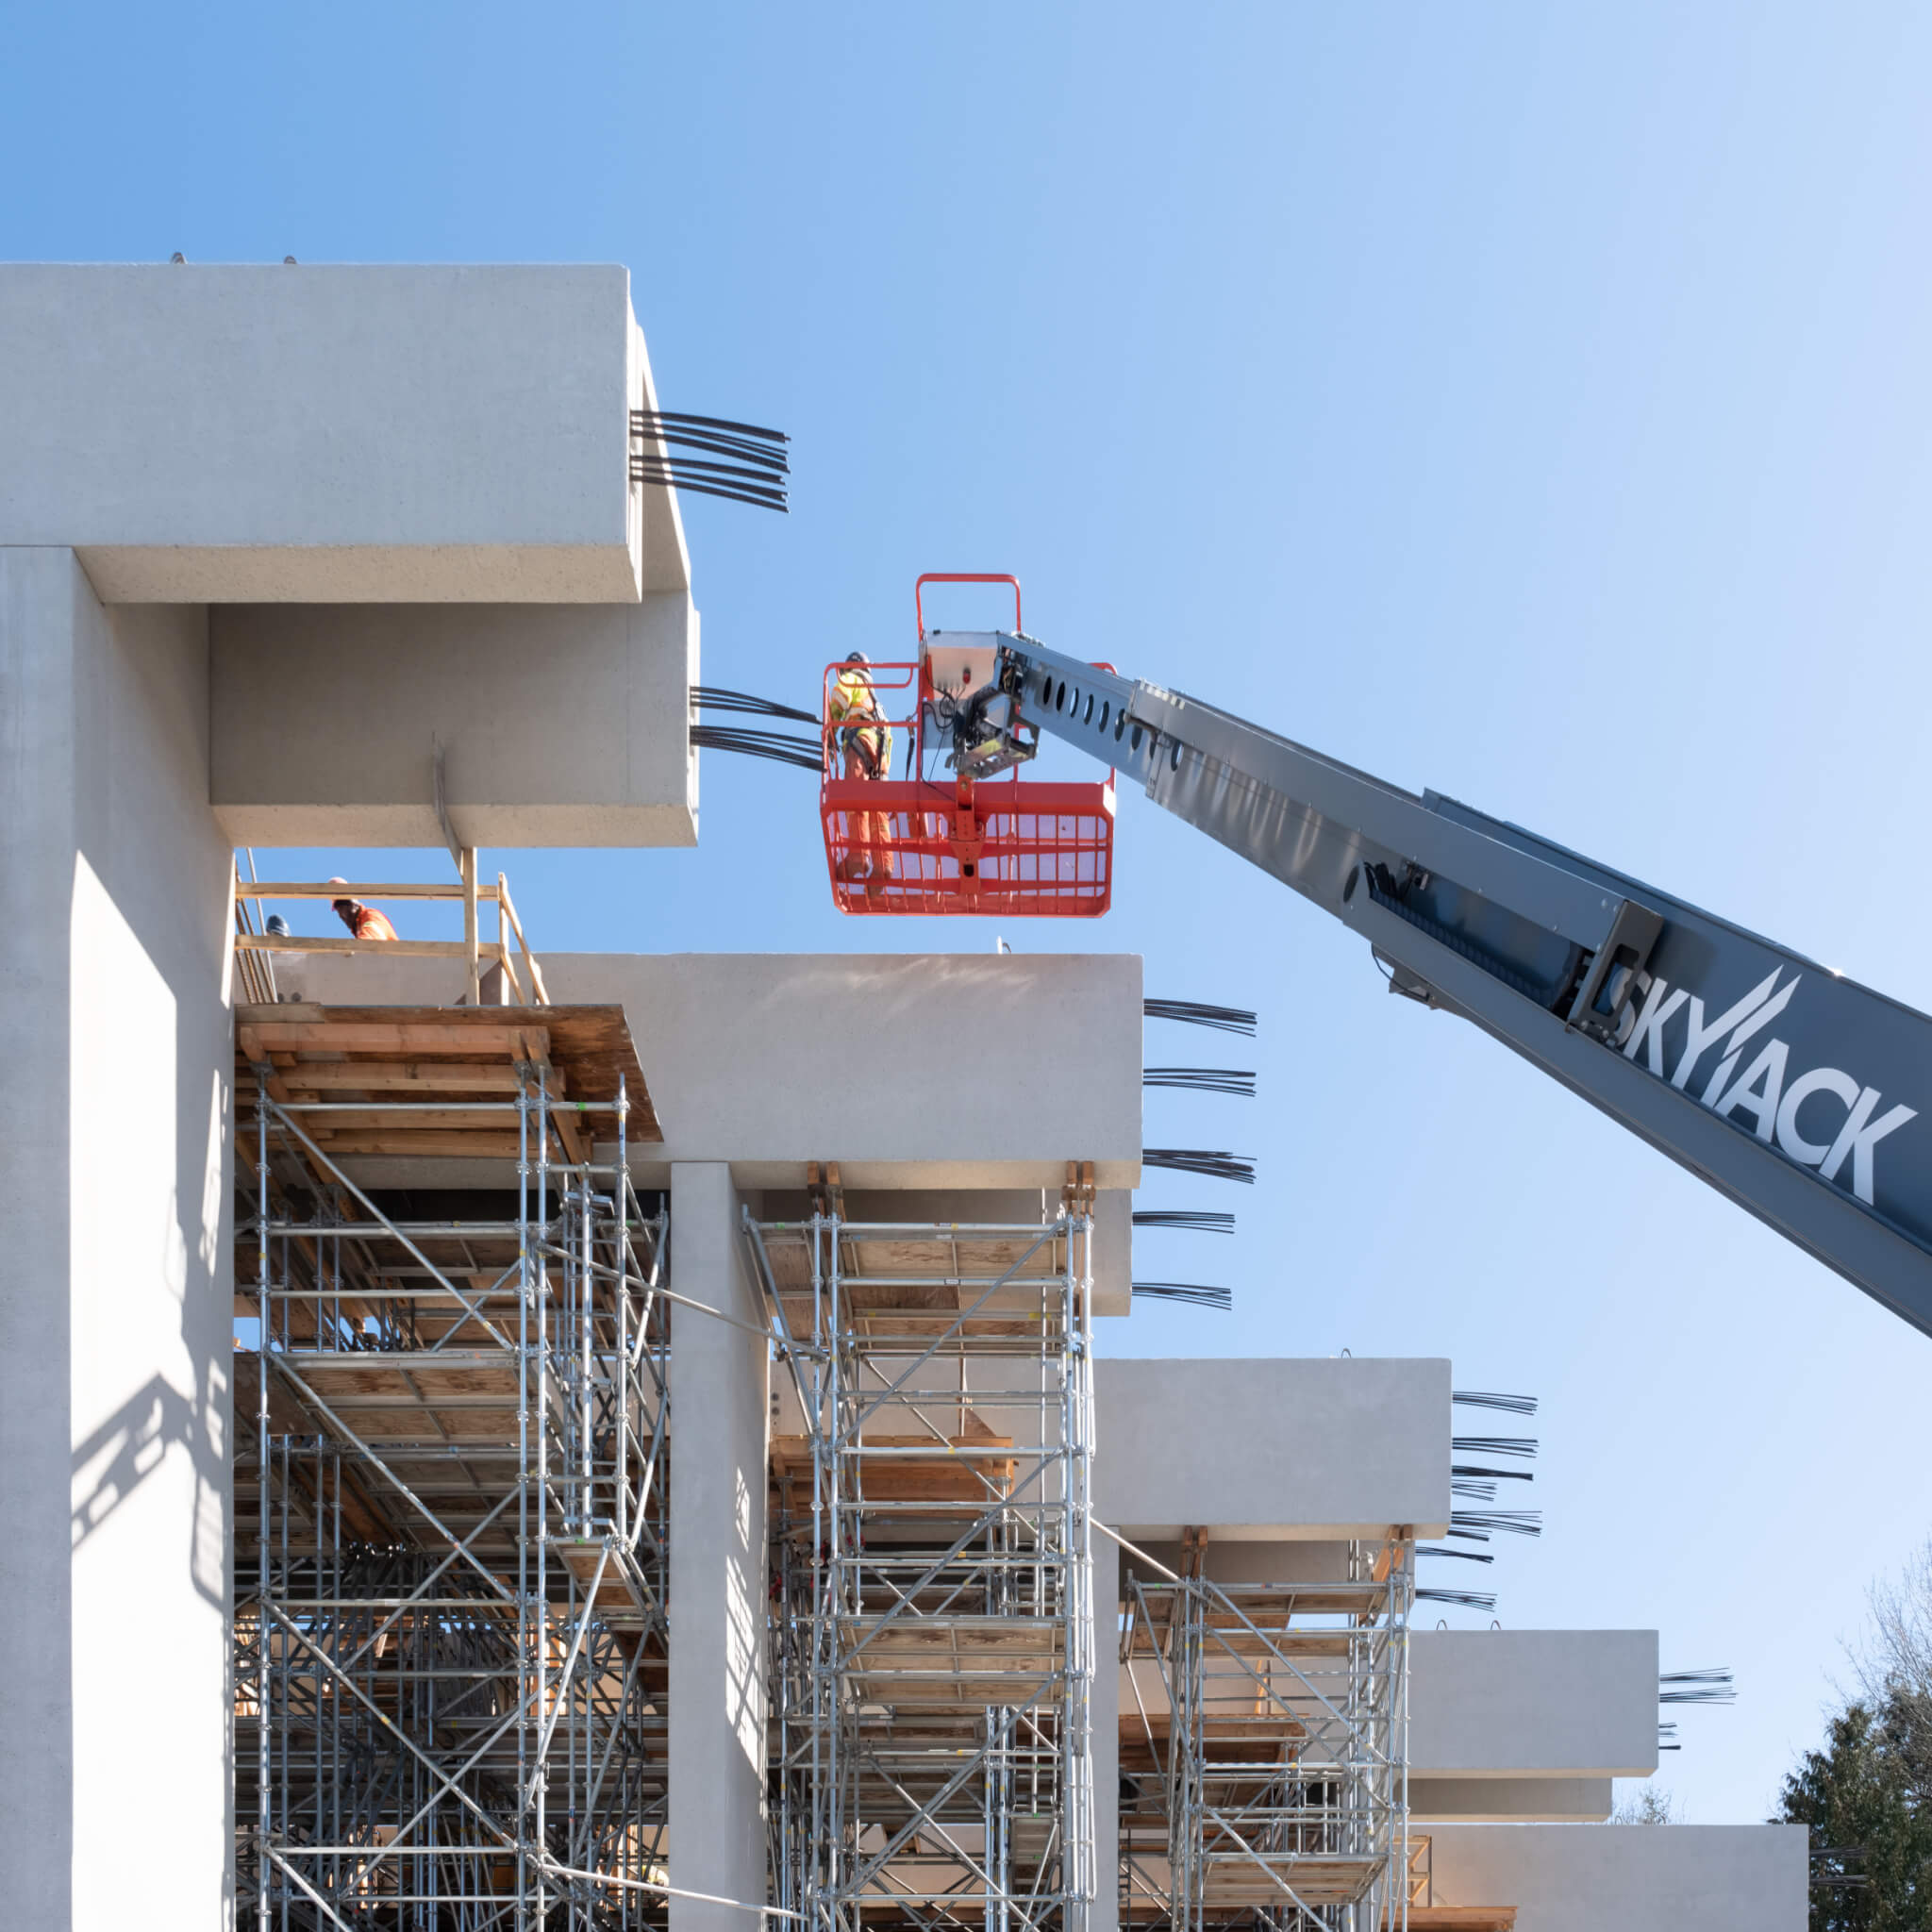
(1792, 1090)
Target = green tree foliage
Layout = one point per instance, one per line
(1871, 1822)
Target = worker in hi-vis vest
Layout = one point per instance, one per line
(867, 750)
(365, 922)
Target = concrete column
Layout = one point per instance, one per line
(719, 1407)
(115, 1322)
(1104, 1916)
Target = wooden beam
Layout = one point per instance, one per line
(405, 1041)
(475, 976)
(445, 1143)
(309, 888)
(354, 948)
(511, 977)
(427, 1079)
(325, 1127)
(508, 910)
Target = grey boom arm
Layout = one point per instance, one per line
(1757, 1069)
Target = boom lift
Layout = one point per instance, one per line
(935, 840)
(1786, 1086)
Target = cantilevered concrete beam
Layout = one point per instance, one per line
(396, 435)
(1523, 1703)
(1615, 1878)
(974, 1070)
(561, 725)
(1272, 1451)
(922, 1071)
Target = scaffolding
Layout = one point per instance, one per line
(451, 1649)
(1264, 1762)
(933, 1631)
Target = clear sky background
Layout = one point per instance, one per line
(1533, 404)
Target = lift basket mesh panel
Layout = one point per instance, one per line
(1006, 848)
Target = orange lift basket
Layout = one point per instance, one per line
(933, 840)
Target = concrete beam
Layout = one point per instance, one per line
(769, 1060)
(718, 1597)
(1509, 1800)
(1272, 1451)
(561, 725)
(1612, 1878)
(116, 1357)
(339, 434)
(979, 1070)
(1516, 1703)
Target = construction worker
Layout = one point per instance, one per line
(865, 741)
(364, 922)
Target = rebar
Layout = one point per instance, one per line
(1197, 1013)
(1193, 1292)
(1194, 1219)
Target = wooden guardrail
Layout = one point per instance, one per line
(473, 949)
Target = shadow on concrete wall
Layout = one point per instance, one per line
(151, 903)
(137, 1439)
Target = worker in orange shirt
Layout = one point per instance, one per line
(364, 922)
(865, 741)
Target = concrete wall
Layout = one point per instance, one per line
(1273, 1450)
(1503, 1702)
(750, 1059)
(331, 434)
(561, 725)
(717, 1594)
(115, 1341)
(1622, 1877)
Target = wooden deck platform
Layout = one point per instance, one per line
(952, 1662)
(966, 1471)
(456, 1066)
(916, 1281)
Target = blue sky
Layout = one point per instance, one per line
(1532, 404)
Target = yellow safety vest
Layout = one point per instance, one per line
(853, 696)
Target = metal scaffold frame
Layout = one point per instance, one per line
(1284, 1763)
(934, 1625)
(451, 1659)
